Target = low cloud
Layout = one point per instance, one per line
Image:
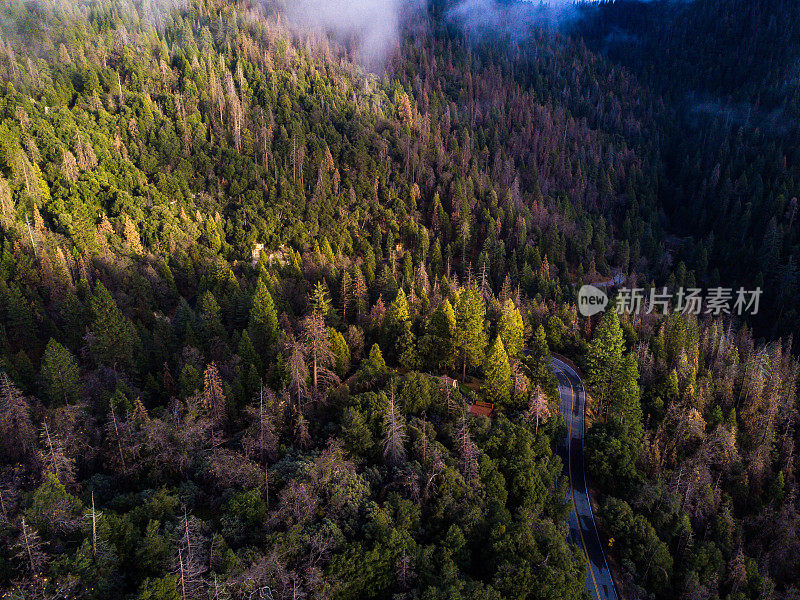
(514, 18)
(374, 25)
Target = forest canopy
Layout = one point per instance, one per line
(251, 291)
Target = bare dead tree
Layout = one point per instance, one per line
(260, 440)
(538, 406)
(17, 432)
(301, 430)
(405, 571)
(298, 371)
(115, 427)
(191, 563)
(94, 527)
(394, 433)
(30, 551)
(467, 451)
(55, 457)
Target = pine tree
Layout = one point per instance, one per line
(397, 314)
(408, 357)
(132, 238)
(214, 398)
(604, 358)
(209, 312)
(497, 374)
(440, 337)
(394, 325)
(374, 367)
(511, 329)
(470, 328)
(320, 300)
(613, 376)
(359, 294)
(263, 325)
(340, 351)
(60, 373)
(539, 362)
(625, 405)
(318, 349)
(114, 338)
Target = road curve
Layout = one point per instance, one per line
(582, 527)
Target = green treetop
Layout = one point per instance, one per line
(470, 328)
(114, 336)
(263, 318)
(320, 299)
(497, 374)
(60, 373)
(440, 336)
(613, 376)
(604, 357)
(511, 329)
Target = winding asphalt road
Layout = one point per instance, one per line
(582, 527)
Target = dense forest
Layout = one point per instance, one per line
(250, 291)
(730, 124)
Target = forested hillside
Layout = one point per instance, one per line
(250, 291)
(727, 75)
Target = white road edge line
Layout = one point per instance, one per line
(586, 485)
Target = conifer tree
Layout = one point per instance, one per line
(114, 337)
(511, 329)
(497, 374)
(209, 312)
(540, 362)
(374, 366)
(263, 325)
(60, 373)
(398, 314)
(340, 352)
(408, 357)
(604, 358)
(613, 376)
(470, 328)
(439, 345)
(320, 300)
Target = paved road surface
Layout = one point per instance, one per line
(617, 278)
(582, 528)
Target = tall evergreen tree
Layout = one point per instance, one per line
(60, 373)
(539, 362)
(263, 325)
(114, 339)
(439, 341)
(604, 358)
(497, 374)
(613, 376)
(511, 329)
(470, 328)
